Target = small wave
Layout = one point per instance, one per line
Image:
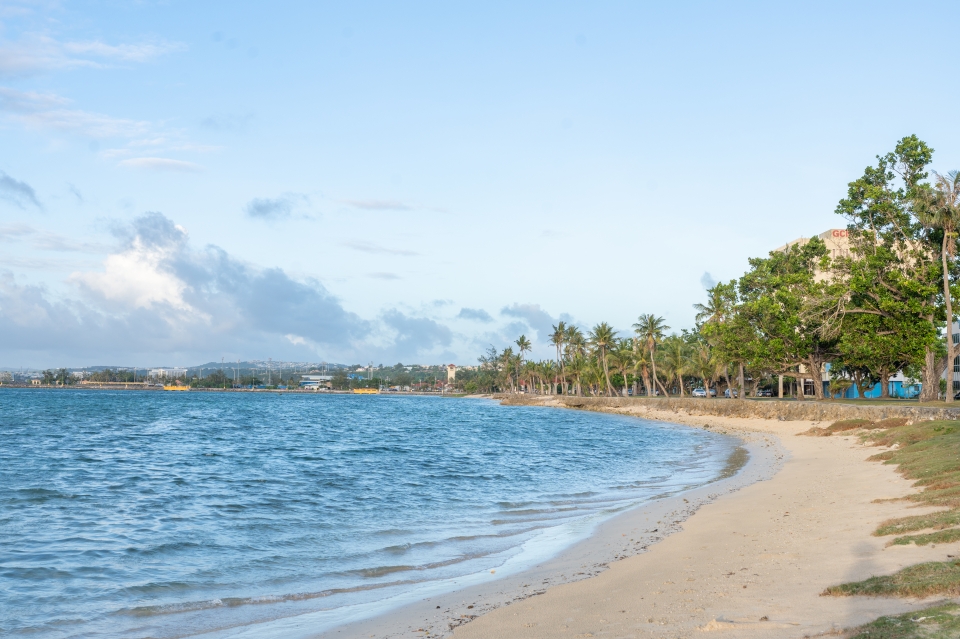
(380, 571)
(232, 602)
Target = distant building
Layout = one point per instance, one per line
(164, 373)
(315, 382)
(837, 241)
(451, 373)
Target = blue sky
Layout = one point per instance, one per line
(415, 181)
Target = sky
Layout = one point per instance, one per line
(414, 182)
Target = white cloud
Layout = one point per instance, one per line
(370, 247)
(138, 278)
(49, 111)
(161, 164)
(379, 205)
(133, 52)
(34, 54)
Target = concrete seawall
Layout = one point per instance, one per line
(763, 409)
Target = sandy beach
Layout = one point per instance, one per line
(747, 556)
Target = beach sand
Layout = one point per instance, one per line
(744, 557)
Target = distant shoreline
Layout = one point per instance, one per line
(137, 386)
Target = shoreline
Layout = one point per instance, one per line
(626, 534)
(752, 563)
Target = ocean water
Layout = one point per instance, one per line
(152, 514)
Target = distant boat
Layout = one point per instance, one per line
(176, 388)
(366, 391)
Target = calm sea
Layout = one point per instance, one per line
(159, 514)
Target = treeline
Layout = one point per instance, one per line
(863, 315)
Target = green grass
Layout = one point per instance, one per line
(939, 537)
(929, 453)
(938, 622)
(856, 424)
(922, 580)
(933, 521)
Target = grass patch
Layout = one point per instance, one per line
(935, 521)
(855, 424)
(938, 622)
(922, 580)
(929, 453)
(940, 537)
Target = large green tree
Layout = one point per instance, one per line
(778, 293)
(894, 271)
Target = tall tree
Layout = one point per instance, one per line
(650, 330)
(704, 365)
(557, 338)
(940, 209)
(621, 360)
(674, 352)
(893, 272)
(602, 338)
(641, 364)
(719, 324)
(778, 293)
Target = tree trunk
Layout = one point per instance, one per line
(646, 382)
(726, 376)
(932, 370)
(884, 384)
(680, 385)
(706, 386)
(663, 388)
(653, 365)
(947, 235)
(606, 374)
(740, 382)
(780, 387)
(817, 376)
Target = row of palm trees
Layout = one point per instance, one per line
(587, 363)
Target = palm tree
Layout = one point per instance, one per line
(704, 365)
(576, 343)
(602, 338)
(577, 367)
(641, 364)
(523, 345)
(716, 309)
(506, 364)
(940, 209)
(557, 338)
(675, 359)
(649, 329)
(621, 359)
(548, 371)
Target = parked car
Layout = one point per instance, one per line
(699, 392)
(764, 392)
(726, 393)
